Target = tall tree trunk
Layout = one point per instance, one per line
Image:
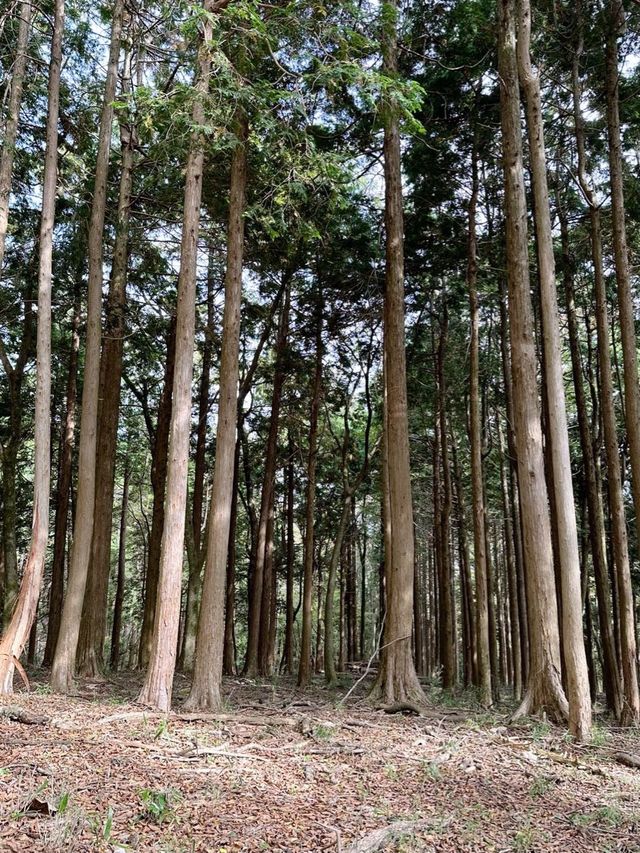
(290, 555)
(597, 535)
(196, 554)
(544, 691)
(447, 608)
(17, 632)
(397, 679)
(512, 574)
(158, 685)
(229, 652)
(477, 487)
(13, 119)
(304, 666)
(64, 660)
(89, 659)
(630, 711)
(122, 560)
(207, 671)
(631, 707)
(159, 461)
(575, 659)
(259, 607)
(621, 252)
(65, 470)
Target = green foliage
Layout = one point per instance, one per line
(157, 805)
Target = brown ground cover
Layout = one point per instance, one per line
(283, 771)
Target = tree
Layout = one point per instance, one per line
(397, 679)
(64, 661)
(545, 690)
(574, 653)
(207, 670)
(17, 632)
(158, 685)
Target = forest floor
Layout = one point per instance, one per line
(296, 772)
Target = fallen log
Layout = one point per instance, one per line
(628, 759)
(19, 715)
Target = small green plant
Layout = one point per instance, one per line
(524, 840)
(540, 786)
(108, 824)
(540, 730)
(391, 772)
(63, 803)
(609, 815)
(156, 804)
(599, 735)
(163, 729)
(322, 732)
(432, 771)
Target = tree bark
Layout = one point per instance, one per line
(63, 491)
(575, 659)
(447, 608)
(621, 253)
(304, 666)
(477, 479)
(17, 632)
(260, 608)
(290, 556)
(13, 119)
(630, 710)
(89, 659)
(122, 560)
(64, 661)
(544, 691)
(207, 671)
(158, 685)
(397, 679)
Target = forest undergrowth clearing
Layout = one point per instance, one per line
(284, 771)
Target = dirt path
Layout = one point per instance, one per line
(279, 776)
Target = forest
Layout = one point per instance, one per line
(320, 414)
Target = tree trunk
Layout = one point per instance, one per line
(397, 679)
(447, 609)
(159, 460)
(630, 711)
(64, 660)
(93, 623)
(631, 707)
(158, 685)
(122, 559)
(65, 470)
(260, 608)
(544, 691)
(229, 652)
(575, 659)
(512, 575)
(597, 535)
(304, 667)
(17, 632)
(207, 672)
(621, 253)
(13, 120)
(477, 487)
(290, 555)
